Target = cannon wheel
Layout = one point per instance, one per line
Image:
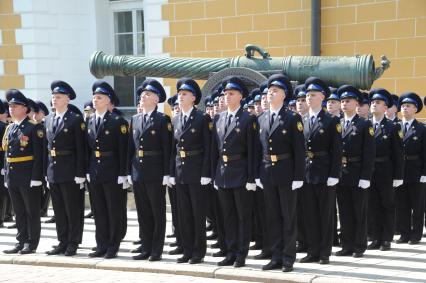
(251, 77)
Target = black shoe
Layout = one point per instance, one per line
(137, 250)
(60, 249)
(137, 242)
(241, 262)
(71, 250)
(15, 250)
(183, 259)
(212, 236)
(375, 245)
(51, 220)
(215, 245)
(141, 256)
(273, 264)
(385, 246)
(220, 253)
(229, 260)
(110, 254)
(174, 244)
(89, 215)
(177, 251)
(196, 260)
(94, 249)
(13, 226)
(287, 268)
(97, 253)
(27, 250)
(155, 258)
(171, 236)
(263, 255)
(402, 240)
(256, 246)
(413, 242)
(8, 219)
(324, 260)
(309, 258)
(344, 252)
(358, 254)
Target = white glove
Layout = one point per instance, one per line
(79, 180)
(2, 171)
(129, 179)
(205, 181)
(165, 180)
(5, 184)
(397, 183)
(121, 179)
(423, 179)
(259, 183)
(364, 184)
(296, 184)
(35, 183)
(251, 187)
(47, 183)
(332, 181)
(215, 186)
(172, 181)
(88, 177)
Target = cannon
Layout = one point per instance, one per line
(358, 70)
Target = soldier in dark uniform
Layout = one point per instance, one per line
(3, 190)
(23, 145)
(108, 139)
(323, 137)
(87, 111)
(391, 112)
(149, 165)
(359, 151)
(65, 167)
(388, 170)
(281, 167)
(190, 170)
(410, 196)
(233, 170)
(363, 108)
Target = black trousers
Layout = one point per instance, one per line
(109, 205)
(259, 221)
(3, 201)
(301, 231)
(26, 204)
(175, 218)
(411, 206)
(319, 203)
(67, 209)
(237, 205)
(191, 203)
(381, 205)
(150, 199)
(213, 199)
(45, 199)
(352, 203)
(82, 206)
(281, 209)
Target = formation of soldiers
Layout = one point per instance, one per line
(271, 166)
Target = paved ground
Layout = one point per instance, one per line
(403, 263)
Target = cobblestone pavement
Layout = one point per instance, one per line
(42, 274)
(403, 263)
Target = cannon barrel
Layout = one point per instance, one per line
(358, 70)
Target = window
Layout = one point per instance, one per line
(128, 40)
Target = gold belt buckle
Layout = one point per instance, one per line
(274, 158)
(225, 158)
(182, 154)
(344, 160)
(310, 154)
(52, 152)
(97, 153)
(140, 153)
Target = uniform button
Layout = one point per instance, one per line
(310, 148)
(181, 140)
(183, 162)
(226, 164)
(224, 149)
(11, 167)
(99, 161)
(140, 147)
(54, 162)
(224, 142)
(140, 161)
(310, 161)
(54, 141)
(97, 140)
(344, 150)
(270, 148)
(273, 164)
(270, 140)
(309, 140)
(10, 153)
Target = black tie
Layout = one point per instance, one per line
(311, 123)
(184, 122)
(229, 122)
(406, 128)
(272, 120)
(347, 125)
(98, 123)
(376, 126)
(55, 124)
(145, 119)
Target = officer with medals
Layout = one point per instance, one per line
(280, 171)
(23, 146)
(323, 137)
(388, 171)
(410, 196)
(149, 165)
(233, 170)
(359, 151)
(190, 170)
(65, 167)
(107, 172)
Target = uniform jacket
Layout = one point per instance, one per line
(414, 144)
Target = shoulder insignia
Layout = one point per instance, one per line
(123, 129)
(299, 126)
(400, 134)
(40, 133)
(210, 126)
(83, 126)
(371, 131)
(254, 126)
(169, 127)
(339, 128)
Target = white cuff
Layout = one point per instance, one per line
(423, 179)
(296, 185)
(35, 183)
(172, 181)
(397, 183)
(165, 180)
(251, 187)
(126, 184)
(205, 181)
(81, 186)
(332, 181)
(364, 184)
(2, 171)
(129, 179)
(215, 186)
(88, 177)
(5, 184)
(259, 183)
(79, 180)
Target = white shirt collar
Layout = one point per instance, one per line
(374, 120)
(19, 122)
(233, 113)
(147, 113)
(60, 115)
(187, 113)
(100, 115)
(350, 118)
(312, 113)
(276, 111)
(407, 121)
